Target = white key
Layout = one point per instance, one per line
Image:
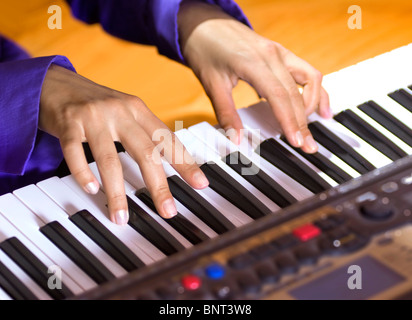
(4, 296)
(383, 130)
(7, 231)
(23, 277)
(130, 191)
(374, 156)
(194, 144)
(133, 176)
(23, 219)
(41, 205)
(264, 114)
(293, 187)
(71, 197)
(261, 115)
(395, 109)
(236, 216)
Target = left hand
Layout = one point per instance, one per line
(221, 51)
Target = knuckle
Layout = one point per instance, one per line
(108, 160)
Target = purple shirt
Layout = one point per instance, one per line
(29, 155)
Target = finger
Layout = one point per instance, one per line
(73, 152)
(324, 105)
(169, 146)
(314, 95)
(105, 154)
(273, 90)
(145, 153)
(219, 91)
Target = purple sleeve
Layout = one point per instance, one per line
(20, 86)
(152, 22)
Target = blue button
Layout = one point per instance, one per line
(215, 271)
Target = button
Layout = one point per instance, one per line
(307, 254)
(306, 232)
(390, 187)
(407, 180)
(263, 251)
(286, 263)
(215, 271)
(191, 282)
(248, 282)
(267, 272)
(285, 241)
(241, 261)
(377, 210)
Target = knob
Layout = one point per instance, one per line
(378, 209)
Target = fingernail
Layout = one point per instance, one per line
(311, 144)
(169, 208)
(122, 216)
(201, 180)
(92, 187)
(233, 136)
(328, 113)
(299, 139)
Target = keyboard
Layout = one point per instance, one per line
(274, 223)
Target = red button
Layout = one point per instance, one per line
(191, 282)
(306, 232)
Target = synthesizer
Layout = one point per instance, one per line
(274, 223)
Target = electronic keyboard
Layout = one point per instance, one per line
(274, 223)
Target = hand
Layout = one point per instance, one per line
(221, 51)
(75, 110)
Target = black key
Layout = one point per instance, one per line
(340, 148)
(354, 123)
(323, 164)
(385, 119)
(33, 267)
(199, 206)
(283, 159)
(403, 98)
(178, 222)
(96, 231)
(148, 227)
(260, 180)
(75, 250)
(13, 286)
(233, 191)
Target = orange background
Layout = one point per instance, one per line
(316, 30)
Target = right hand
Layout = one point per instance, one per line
(75, 110)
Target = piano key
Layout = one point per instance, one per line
(23, 278)
(388, 121)
(403, 98)
(43, 207)
(404, 147)
(11, 288)
(26, 260)
(339, 147)
(242, 165)
(274, 191)
(376, 139)
(71, 197)
(143, 223)
(85, 221)
(261, 116)
(275, 153)
(132, 174)
(5, 297)
(323, 163)
(27, 223)
(234, 192)
(198, 205)
(73, 248)
(395, 109)
(219, 142)
(190, 231)
(253, 203)
(149, 224)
